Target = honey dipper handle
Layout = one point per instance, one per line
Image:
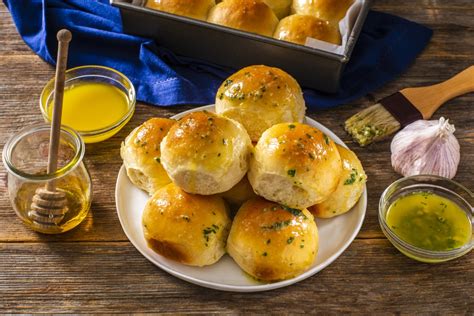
(428, 99)
(64, 37)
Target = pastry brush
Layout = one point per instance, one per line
(406, 106)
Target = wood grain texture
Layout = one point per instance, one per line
(94, 267)
(370, 277)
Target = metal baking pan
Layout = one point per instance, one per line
(313, 68)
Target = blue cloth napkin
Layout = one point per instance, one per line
(386, 47)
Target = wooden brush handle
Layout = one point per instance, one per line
(428, 99)
(64, 37)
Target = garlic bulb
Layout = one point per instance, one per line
(426, 147)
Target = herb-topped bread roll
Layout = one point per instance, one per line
(281, 8)
(297, 27)
(272, 242)
(247, 15)
(188, 228)
(260, 97)
(329, 10)
(197, 9)
(295, 164)
(142, 157)
(350, 187)
(205, 153)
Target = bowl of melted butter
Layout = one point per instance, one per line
(98, 101)
(428, 218)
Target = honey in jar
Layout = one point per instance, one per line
(25, 156)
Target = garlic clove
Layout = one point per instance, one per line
(426, 147)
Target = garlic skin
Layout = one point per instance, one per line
(426, 147)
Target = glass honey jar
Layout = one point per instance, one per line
(25, 157)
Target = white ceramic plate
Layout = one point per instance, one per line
(225, 274)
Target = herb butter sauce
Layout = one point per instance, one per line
(429, 221)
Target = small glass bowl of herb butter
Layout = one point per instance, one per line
(428, 218)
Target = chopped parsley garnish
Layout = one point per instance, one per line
(277, 225)
(326, 139)
(294, 211)
(227, 83)
(291, 172)
(208, 231)
(157, 159)
(291, 126)
(290, 240)
(352, 177)
(264, 254)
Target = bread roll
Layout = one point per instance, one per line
(239, 193)
(329, 10)
(296, 28)
(260, 97)
(350, 187)
(142, 157)
(271, 242)
(205, 153)
(295, 164)
(247, 15)
(188, 228)
(281, 8)
(197, 9)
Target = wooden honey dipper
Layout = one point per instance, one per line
(49, 205)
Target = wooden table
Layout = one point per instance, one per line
(94, 268)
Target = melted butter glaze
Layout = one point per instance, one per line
(204, 138)
(277, 226)
(150, 134)
(329, 10)
(300, 146)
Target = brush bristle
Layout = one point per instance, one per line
(371, 124)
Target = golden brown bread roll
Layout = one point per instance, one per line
(297, 27)
(205, 153)
(281, 8)
(329, 10)
(247, 15)
(260, 97)
(188, 228)
(197, 9)
(350, 187)
(295, 164)
(142, 157)
(271, 242)
(240, 193)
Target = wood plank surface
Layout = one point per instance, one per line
(94, 268)
(370, 277)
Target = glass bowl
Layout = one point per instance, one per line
(25, 157)
(426, 183)
(93, 74)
